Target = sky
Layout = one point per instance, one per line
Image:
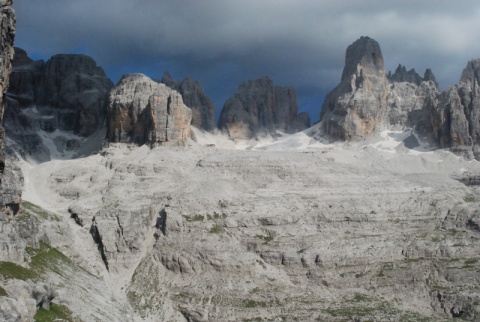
(222, 43)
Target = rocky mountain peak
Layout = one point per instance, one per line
(411, 76)
(21, 58)
(144, 111)
(402, 75)
(429, 77)
(471, 72)
(356, 108)
(365, 53)
(259, 106)
(193, 95)
(65, 64)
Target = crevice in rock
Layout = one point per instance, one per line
(77, 219)
(471, 225)
(121, 231)
(13, 207)
(97, 238)
(162, 222)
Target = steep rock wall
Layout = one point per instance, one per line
(143, 111)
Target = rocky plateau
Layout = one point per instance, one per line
(119, 203)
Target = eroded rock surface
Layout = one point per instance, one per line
(367, 101)
(193, 95)
(143, 111)
(357, 107)
(259, 106)
(220, 235)
(456, 114)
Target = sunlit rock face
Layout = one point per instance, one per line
(143, 111)
(357, 107)
(368, 101)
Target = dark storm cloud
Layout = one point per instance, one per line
(224, 42)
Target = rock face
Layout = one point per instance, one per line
(357, 106)
(68, 93)
(367, 101)
(203, 110)
(456, 114)
(10, 177)
(143, 111)
(320, 233)
(402, 75)
(258, 106)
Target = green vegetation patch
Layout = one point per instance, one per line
(29, 209)
(268, 236)
(469, 198)
(216, 215)
(10, 270)
(47, 258)
(253, 304)
(57, 312)
(216, 229)
(360, 298)
(471, 261)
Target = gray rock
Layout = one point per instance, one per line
(455, 114)
(356, 108)
(143, 111)
(9, 189)
(365, 101)
(68, 93)
(21, 58)
(43, 295)
(300, 122)
(402, 75)
(259, 106)
(193, 95)
(428, 76)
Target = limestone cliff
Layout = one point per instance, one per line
(356, 108)
(193, 95)
(69, 92)
(10, 178)
(143, 111)
(259, 106)
(367, 101)
(455, 115)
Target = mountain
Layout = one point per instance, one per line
(259, 106)
(193, 95)
(367, 102)
(144, 111)
(367, 220)
(357, 107)
(10, 176)
(55, 105)
(456, 114)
